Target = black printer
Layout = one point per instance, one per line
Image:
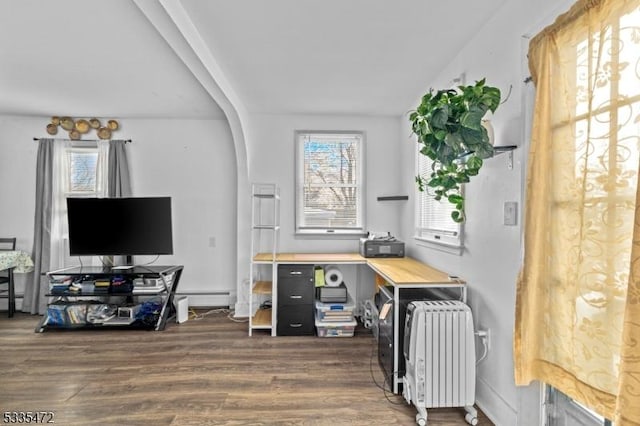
(381, 246)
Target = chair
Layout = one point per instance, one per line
(6, 277)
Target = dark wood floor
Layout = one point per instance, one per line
(201, 372)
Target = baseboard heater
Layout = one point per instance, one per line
(440, 360)
(207, 299)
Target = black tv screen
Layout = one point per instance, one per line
(119, 226)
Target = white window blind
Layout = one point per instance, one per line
(82, 171)
(329, 180)
(433, 218)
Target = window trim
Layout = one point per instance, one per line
(335, 232)
(558, 406)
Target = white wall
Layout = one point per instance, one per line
(491, 259)
(18, 154)
(18, 178)
(271, 160)
(193, 161)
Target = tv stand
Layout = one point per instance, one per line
(90, 297)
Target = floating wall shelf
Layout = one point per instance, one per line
(497, 150)
(505, 148)
(393, 198)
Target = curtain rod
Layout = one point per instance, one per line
(82, 140)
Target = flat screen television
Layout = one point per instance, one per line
(120, 226)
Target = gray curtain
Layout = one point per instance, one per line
(34, 301)
(119, 180)
(119, 186)
(118, 170)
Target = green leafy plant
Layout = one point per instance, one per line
(448, 124)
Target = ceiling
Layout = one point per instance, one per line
(105, 58)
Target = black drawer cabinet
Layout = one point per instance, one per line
(296, 291)
(295, 271)
(295, 320)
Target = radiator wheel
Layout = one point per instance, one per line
(472, 420)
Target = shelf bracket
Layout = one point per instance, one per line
(509, 150)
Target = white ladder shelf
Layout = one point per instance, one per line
(265, 227)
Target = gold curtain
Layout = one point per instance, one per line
(580, 274)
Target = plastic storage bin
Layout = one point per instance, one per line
(335, 312)
(336, 329)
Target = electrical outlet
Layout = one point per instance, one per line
(488, 339)
(485, 337)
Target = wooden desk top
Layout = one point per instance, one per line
(324, 258)
(399, 271)
(408, 271)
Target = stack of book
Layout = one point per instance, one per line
(76, 314)
(59, 285)
(101, 285)
(335, 319)
(148, 286)
(335, 312)
(66, 314)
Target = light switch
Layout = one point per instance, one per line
(511, 213)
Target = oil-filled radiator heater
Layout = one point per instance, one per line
(440, 359)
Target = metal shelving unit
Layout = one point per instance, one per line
(265, 227)
(68, 309)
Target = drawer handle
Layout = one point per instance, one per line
(295, 273)
(294, 296)
(296, 325)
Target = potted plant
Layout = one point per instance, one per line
(448, 124)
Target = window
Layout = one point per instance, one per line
(79, 171)
(559, 409)
(329, 183)
(433, 218)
